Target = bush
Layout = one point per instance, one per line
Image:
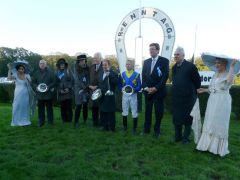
(6, 92)
(6, 95)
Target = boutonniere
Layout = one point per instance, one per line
(159, 72)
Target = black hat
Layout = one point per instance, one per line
(82, 57)
(61, 61)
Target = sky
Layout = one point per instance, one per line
(71, 26)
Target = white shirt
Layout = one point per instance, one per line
(105, 75)
(97, 67)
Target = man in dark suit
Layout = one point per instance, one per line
(44, 75)
(154, 76)
(95, 71)
(185, 82)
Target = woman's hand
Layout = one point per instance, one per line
(233, 62)
(9, 66)
(201, 90)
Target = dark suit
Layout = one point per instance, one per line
(185, 81)
(107, 103)
(94, 81)
(44, 99)
(156, 79)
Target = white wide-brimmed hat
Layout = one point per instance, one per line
(209, 60)
(20, 62)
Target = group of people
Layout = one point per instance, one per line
(84, 80)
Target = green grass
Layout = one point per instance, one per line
(62, 152)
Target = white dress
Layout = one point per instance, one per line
(21, 106)
(214, 136)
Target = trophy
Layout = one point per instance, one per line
(96, 94)
(109, 92)
(128, 90)
(42, 87)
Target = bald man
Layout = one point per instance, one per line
(44, 75)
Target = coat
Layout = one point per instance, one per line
(94, 79)
(81, 83)
(107, 103)
(185, 82)
(65, 82)
(157, 78)
(44, 76)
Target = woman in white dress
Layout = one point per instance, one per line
(21, 101)
(214, 136)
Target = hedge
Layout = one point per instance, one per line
(6, 96)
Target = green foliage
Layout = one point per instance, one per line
(52, 60)
(8, 55)
(200, 65)
(62, 152)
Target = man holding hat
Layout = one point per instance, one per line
(81, 90)
(95, 71)
(43, 82)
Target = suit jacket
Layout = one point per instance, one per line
(107, 103)
(158, 77)
(94, 75)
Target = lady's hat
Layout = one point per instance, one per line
(18, 63)
(209, 60)
(61, 61)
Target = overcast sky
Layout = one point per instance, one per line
(71, 26)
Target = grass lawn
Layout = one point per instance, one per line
(62, 152)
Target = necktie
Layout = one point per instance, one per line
(153, 64)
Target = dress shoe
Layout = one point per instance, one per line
(157, 135)
(185, 141)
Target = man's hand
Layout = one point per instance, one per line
(93, 87)
(201, 90)
(152, 90)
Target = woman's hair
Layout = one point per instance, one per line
(107, 61)
(80, 69)
(222, 61)
(20, 65)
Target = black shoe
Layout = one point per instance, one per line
(76, 125)
(177, 140)
(157, 135)
(185, 141)
(41, 124)
(144, 134)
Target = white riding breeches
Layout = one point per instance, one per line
(130, 100)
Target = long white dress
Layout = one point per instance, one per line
(214, 136)
(21, 105)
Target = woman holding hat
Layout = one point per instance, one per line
(214, 136)
(23, 95)
(81, 90)
(64, 83)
